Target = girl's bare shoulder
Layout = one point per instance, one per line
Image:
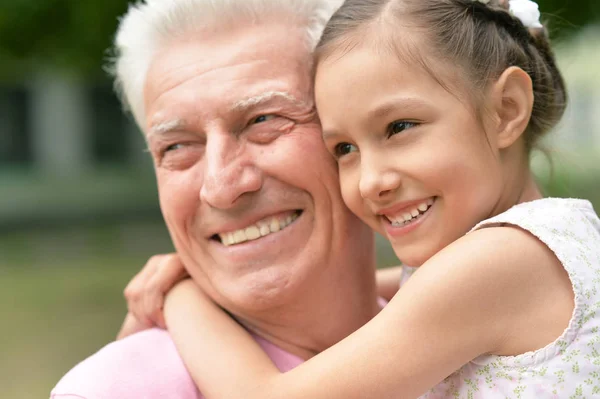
(507, 279)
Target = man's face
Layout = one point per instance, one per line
(247, 189)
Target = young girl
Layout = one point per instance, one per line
(431, 108)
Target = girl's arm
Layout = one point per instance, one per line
(474, 297)
(388, 281)
(212, 345)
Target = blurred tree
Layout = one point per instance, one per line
(66, 34)
(75, 34)
(564, 17)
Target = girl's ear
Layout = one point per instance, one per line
(512, 102)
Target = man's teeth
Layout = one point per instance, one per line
(255, 231)
(409, 215)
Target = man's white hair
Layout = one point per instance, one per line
(151, 24)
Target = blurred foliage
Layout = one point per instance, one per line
(74, 35)
(66, 34)
(565, 17)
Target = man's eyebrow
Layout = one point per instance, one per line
(254, 101)
(166, 126)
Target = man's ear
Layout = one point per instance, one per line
(512, 102)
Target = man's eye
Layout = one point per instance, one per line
(173, 147)
(263, 118)
(342, 149)
(399, 126)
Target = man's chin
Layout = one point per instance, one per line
(258, 292)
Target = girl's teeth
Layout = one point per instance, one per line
(406, 218)
(239, 236)
(252, 233)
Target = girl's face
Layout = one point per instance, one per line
(414, 161)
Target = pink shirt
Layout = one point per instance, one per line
(143, 366)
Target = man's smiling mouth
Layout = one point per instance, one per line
(264, 227)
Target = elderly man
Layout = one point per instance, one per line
(222, 91)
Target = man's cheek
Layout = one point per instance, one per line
(177, 199)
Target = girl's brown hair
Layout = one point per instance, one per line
(482, 39)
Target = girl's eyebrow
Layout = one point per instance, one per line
(384, 108)
(329, 134)
(390, 105)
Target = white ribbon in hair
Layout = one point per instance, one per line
(527, 11)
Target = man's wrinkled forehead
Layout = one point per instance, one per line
(162, 125)
(233, 71)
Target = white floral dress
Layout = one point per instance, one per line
(570, 366)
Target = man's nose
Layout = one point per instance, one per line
(229, 171)
(377, 183)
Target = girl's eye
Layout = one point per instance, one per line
(342, 149)
(399, 126)
(263, 118)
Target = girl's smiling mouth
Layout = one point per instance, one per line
(402, 219)
(411, 214)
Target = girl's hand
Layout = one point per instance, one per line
(145, 293)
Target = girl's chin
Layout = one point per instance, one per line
(410, 257)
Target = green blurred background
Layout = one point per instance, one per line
(78, 205)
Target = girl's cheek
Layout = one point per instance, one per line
(349, 184)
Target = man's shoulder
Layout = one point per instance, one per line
(144, 365)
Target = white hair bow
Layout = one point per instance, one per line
(527, 11)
